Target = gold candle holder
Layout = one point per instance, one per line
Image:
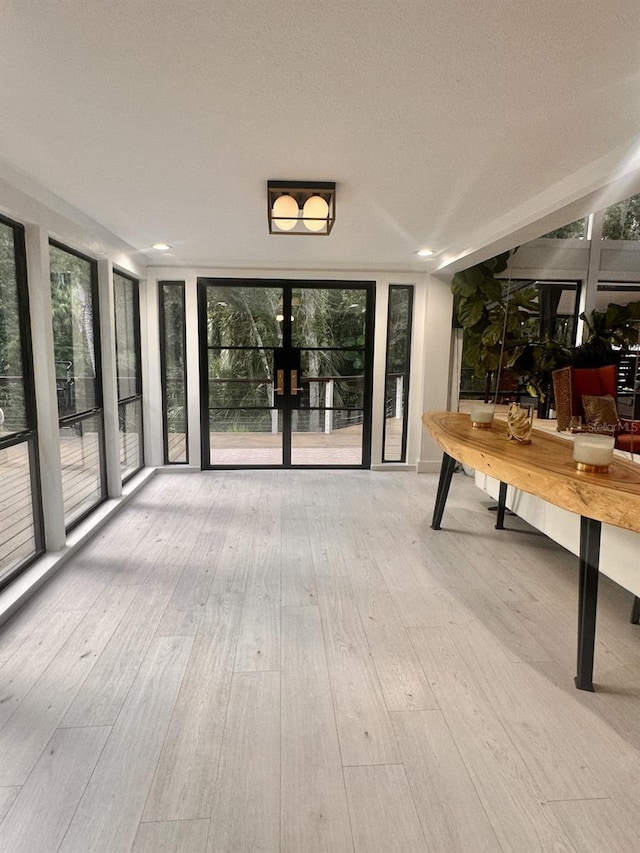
(591, 469)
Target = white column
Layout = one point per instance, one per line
(436, 365)
(193, 368)
(399, 397)
(109, 377)
(457, 341)
(328, 402)
(44, 371)
(151, 382)
(379, 367)
(274, 413)
(590, 285)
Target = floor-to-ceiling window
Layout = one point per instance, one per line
(79, 389)
(396, 381)
(128, 372)
(21, 536)
(173, 372)
(286, 372)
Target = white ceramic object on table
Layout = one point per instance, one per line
(593, 453)
(481, 415)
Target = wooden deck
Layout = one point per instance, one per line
(293, 662)
(339, 447)
(17, 541)
(81, 479)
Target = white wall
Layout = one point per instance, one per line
(61, 222)
(436, 366)
(47, 216)
(425, 347)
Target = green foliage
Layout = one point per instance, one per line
(10, 355)
(622, 220)
(11, 370)
(174, 366)
(502, 328)
(327, 323)
(537, 360)
(500, 333)
(573, 229)
(73, 330)
(398, 328)
(125, 299)
(610, 333)
(492, 314)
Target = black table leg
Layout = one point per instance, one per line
(635, 611)
(587, 600)
(446, 473)
(502, 505)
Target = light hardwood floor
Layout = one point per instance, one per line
(293, 661)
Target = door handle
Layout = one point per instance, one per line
(294, 382)
(280, 382)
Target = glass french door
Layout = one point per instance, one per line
(285, 373)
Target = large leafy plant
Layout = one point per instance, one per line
(495, 319)
(609, 335)
(492, 315)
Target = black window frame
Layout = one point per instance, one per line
(407, 372)
(96, 411)
(30, 434)
(163, 369)
(288, 286)
(138, 396)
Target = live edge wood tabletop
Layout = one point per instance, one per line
(544, 468)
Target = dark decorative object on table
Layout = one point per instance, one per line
(588, 388)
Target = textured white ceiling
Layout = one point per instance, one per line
(450, 124)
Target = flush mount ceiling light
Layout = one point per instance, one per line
(424, 253)
(301, 207)
(161, 247)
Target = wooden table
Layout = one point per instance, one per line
(545, 468)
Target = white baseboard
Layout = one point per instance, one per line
(428, 466)
(393, 466)
(30, 580)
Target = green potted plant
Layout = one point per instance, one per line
(609, 335)
(494, 318)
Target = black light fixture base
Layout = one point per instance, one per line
(298, 220)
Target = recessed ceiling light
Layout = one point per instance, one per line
(161, 247)
(425, 253)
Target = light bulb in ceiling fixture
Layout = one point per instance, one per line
(314, 213)
(425, 253)
(161, 247)
(285, 213)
